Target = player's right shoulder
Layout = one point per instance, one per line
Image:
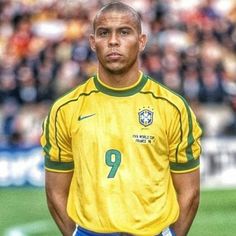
(74, 94)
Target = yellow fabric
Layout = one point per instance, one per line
(122, 146)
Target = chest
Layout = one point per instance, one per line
(135, 119)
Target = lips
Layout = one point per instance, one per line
(114, 55)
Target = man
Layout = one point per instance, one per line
(121, 151)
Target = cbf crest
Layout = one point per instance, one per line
(145, 117)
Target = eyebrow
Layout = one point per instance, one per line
(118, 28)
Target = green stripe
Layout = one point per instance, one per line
(48, 146)
(190, 139)
(56, 114)
(189, 151)
(181, 132)
(184, 166)
(120, 93)
(73, 100)
(58, 165)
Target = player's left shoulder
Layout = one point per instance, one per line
(160, 90)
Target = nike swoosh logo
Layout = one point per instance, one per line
(85, 116)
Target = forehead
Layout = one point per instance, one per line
(115, 19)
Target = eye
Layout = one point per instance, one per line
(124, 32)
(103, 33)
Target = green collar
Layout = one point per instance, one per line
(120, 92)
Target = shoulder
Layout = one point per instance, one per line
(73, 95)
(165, 94)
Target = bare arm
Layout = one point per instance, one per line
(187, 187)
(57, 189)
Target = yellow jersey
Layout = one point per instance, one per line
(122, 145)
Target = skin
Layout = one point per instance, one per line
(57, 190)
(187, 186)
(118, 42)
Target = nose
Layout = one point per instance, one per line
(114, 40)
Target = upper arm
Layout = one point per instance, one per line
(57, 187)
(187, 182)
(57, 183)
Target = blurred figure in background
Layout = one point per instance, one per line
(49, 39)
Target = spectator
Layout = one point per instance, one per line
(189, 48)
(211, 89)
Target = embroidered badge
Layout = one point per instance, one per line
(145, 117)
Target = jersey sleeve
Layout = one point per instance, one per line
(184, 140)
(56, 143)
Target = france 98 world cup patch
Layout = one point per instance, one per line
(145, 117)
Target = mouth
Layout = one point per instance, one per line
(114, 56)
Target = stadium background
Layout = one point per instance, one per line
(44, 52)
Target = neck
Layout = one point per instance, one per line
(120, 80)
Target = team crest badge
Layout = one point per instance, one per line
(145, 117)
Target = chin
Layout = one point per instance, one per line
(116, 71)
(118, 68)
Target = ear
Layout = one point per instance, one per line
(142, 42)
(92, 42)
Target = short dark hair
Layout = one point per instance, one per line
(119, 7)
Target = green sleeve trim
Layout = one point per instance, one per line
(185, 166)
(58, 165)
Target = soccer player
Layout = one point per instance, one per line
(121, 150)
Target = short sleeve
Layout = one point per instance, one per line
(56, 143)
(184, 140)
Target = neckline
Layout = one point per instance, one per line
(120, 92)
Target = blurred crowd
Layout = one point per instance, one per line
(44, 52)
